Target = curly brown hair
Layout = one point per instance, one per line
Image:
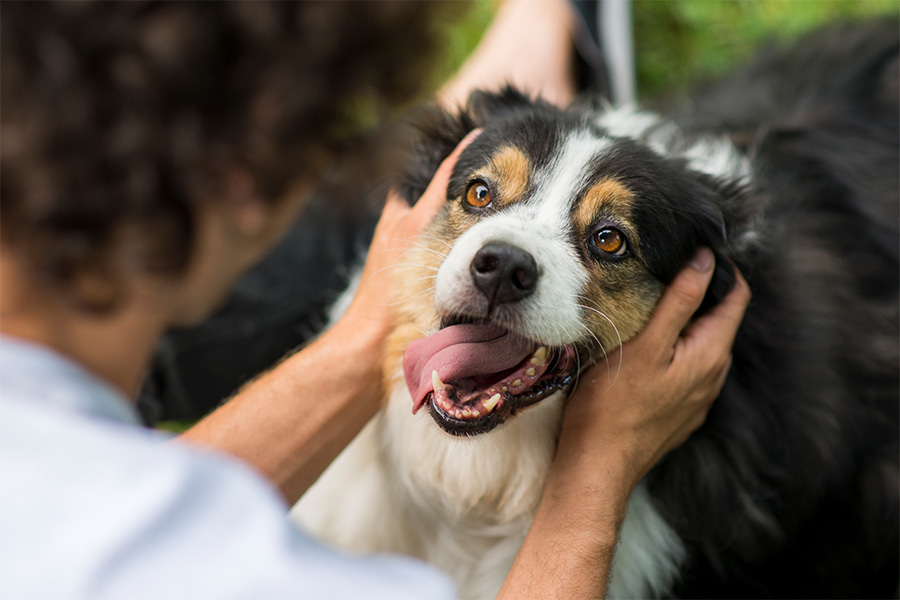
(130, 113)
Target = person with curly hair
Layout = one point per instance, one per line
(150, 153)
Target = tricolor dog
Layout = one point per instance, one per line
(561, 230)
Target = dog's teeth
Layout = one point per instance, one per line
(530, 371)
(491, 402)
(436, 382)
(539, 357)
(516, 383)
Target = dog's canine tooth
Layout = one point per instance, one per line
(539, 357)
(491, 402)
(436, 382)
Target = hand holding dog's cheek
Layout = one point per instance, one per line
(621, 420)
(667, 381)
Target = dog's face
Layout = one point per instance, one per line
(557, 240)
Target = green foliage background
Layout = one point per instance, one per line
(677, 41)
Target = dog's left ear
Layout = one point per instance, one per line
(713, 228)
(686, 211)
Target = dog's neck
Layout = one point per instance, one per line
(498, 475)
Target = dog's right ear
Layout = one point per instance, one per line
(436, 133)
(487, 106)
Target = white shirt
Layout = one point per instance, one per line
(94, 506)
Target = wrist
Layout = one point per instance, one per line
(572, 541)
(590, 490)
(354, 348)
(361, 338)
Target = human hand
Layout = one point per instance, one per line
(668, 380)
(395, 234)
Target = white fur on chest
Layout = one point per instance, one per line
(465, 504)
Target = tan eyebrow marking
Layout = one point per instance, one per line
(607, 195)
(510, 171)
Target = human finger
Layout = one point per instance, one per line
(714, 332)
(436, 193)
(680, 301)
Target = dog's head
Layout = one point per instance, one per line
(559, 235)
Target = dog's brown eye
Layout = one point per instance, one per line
(478, 195)
(609, 240)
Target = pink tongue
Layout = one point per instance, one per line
(461, 351)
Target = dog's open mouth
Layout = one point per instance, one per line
(474, 376)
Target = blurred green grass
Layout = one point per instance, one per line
(678, 41)
(175, 426)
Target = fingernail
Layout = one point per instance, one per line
(703, 260)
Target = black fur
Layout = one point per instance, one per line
(791, 488)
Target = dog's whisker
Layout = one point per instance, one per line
(400, 264)
(419, 247)
(593, 336)
(426, 236)
(417, 243)
(423, 278)
(418, 265)
(618, 337)
(407, 299)
(577, 375)
(436, 239)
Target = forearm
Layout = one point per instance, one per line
(529, 45)
(569, 548)
(293, 421)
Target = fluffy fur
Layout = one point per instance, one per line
(789, 171)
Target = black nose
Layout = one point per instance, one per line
(504, 273)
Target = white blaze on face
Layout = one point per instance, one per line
(541, 226)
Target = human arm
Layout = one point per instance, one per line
(528, 44)
(616, 426)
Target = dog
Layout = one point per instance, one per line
(561, 230)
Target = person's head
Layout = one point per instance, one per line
(137, 137)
